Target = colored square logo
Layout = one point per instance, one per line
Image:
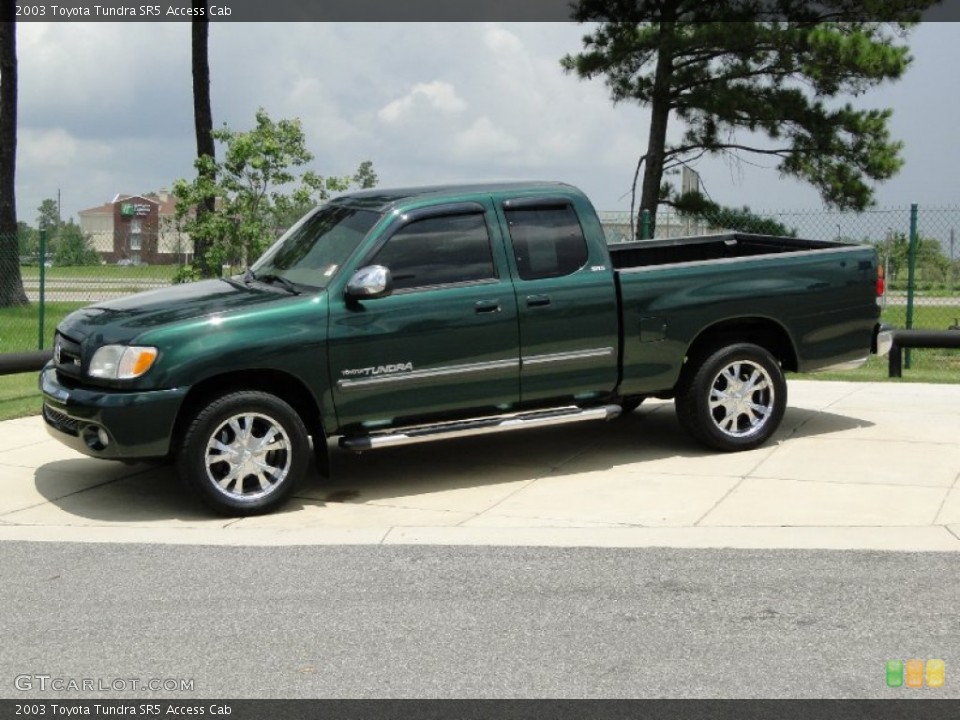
(914, 673)
(936, 673)
(894, 673)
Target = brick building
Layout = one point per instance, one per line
(137, 229)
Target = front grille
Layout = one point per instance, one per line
(66, 355)
(63, 423)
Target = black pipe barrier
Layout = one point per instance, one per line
(13, 363)
(947, 339)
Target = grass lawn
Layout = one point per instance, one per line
(927, 366)
(19, 326)
(102, 272)
(19, 396)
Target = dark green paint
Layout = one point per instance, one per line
(422, 355)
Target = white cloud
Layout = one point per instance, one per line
(500, 40)
(424, 97)
(107, 107)
(485, 141)
(46, 149)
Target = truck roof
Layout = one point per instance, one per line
(383, 199)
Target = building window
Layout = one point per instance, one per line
(136, 228)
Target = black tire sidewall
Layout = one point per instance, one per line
(693, 405)
(191, 461)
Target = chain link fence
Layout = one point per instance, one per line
(72, 270)
(928, 300)
(76, 267)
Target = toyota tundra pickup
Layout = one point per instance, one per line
(386, 317)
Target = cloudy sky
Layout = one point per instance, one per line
(107, 108)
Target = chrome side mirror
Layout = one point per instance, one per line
(370, 283)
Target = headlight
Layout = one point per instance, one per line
(120, 362)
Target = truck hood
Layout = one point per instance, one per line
(121, 320)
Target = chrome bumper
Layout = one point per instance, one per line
(882, 340)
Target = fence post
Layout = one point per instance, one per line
(43, 269)
(911, 274)
(645, 225)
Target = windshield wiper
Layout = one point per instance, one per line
(233, 281)
(270, 279)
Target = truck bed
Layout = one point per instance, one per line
(814, 299)
(647, 253)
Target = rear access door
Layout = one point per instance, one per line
(566, 300)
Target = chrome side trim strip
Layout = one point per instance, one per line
(416, 375)
(567, 357)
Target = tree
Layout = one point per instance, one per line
(289, 210)
(11, 282)
(203, 124)
(27, 241)
(741, 86)
(73, 247)
(256, 189)
(739, 220)
(932, 263)
(48, 217)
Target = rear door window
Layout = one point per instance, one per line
(548, 242)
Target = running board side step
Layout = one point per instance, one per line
(478, 426)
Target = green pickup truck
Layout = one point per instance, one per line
(387, 317)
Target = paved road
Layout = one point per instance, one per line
(476, 622)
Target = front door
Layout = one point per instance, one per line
(444, 341)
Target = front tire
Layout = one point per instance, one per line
(734, 400)
(244, 453)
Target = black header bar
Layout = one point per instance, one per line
(429, 10)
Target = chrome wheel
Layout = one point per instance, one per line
(732, 397)
(248, 456)
(742, 399)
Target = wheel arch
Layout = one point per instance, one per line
(283, 385)
(761, 331)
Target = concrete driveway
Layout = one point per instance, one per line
(855, 465)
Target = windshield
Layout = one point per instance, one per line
(311, 252)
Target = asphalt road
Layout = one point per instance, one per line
(440, 622)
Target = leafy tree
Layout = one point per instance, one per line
(48, 217)
(742, 86)
(256, 189)
(73, 247)
(11, 282)
(894, 255)
(932, 263)
(289, 209)
(203, 124)
(27, 240)
(727, 218)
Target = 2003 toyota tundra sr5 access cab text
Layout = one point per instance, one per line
(394, 316)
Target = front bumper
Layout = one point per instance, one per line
(110, 424)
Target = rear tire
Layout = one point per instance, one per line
(244, 453)
(734, 399)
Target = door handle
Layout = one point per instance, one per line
(538, 300)
(487, 306)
